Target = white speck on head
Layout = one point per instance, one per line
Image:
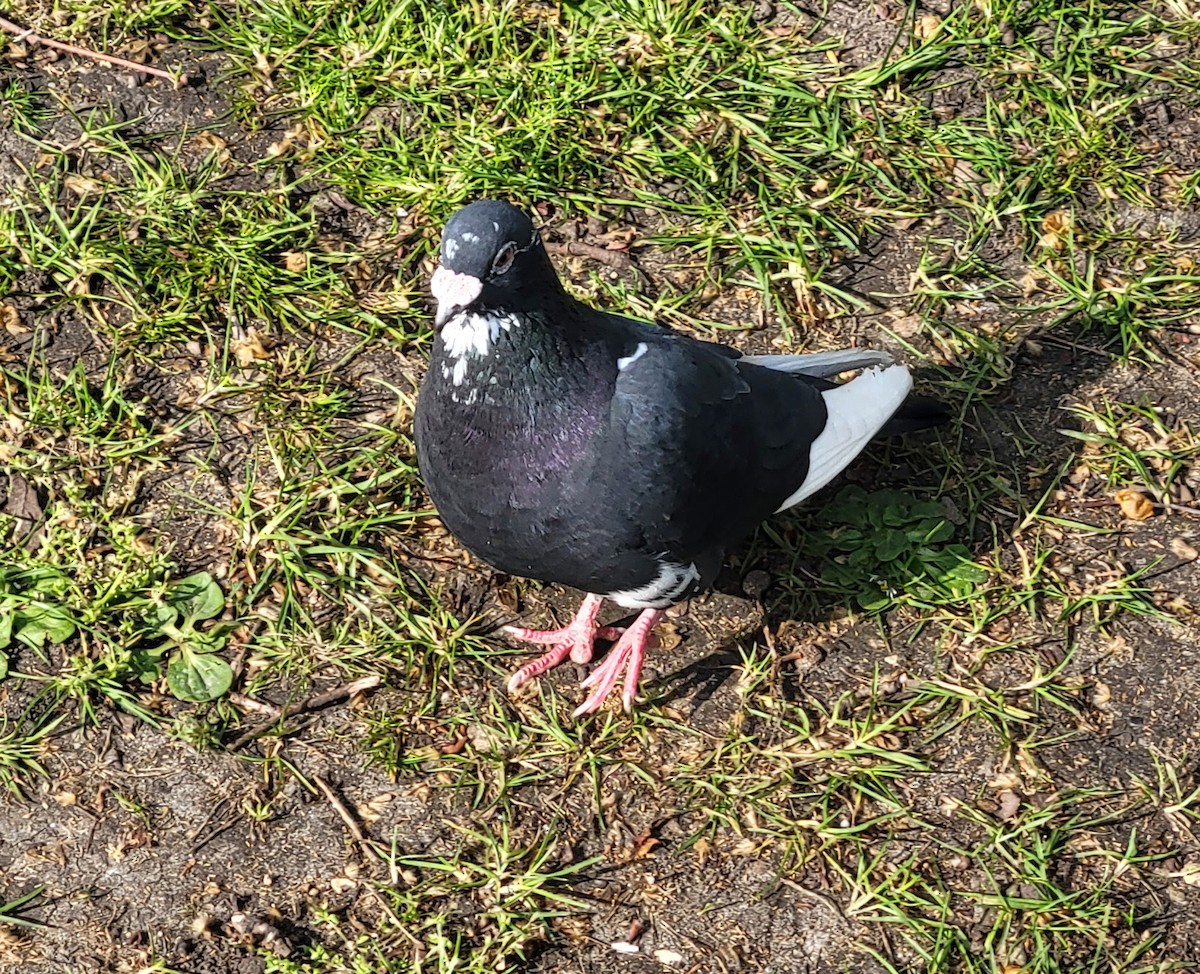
(672, 581)
(628, 360)
(469, 237)
(495, 226)
(450, 246)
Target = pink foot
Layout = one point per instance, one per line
(625, 655)
(574, 639)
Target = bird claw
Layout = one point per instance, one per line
(626, 655)
(575, 640)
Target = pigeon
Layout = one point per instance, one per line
(570, 445)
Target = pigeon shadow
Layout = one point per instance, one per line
(1011, 440)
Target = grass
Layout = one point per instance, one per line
(212, 323)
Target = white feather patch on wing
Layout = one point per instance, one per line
(671, 582)
(628, 360)
(822, 365)
(857, 411)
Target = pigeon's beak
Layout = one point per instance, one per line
(453, 292)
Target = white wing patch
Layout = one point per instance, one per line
(469, 237)
(672, 581)
(857, 410)
(450, 246)
(628, 360)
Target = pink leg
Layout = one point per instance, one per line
(625, 655)
(574, 639)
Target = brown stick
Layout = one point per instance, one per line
(315, 702)
(370, 848)
(243, 702)
(38, 41)
(616, 259)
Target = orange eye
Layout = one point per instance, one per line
(504, 259)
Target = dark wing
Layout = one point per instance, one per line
(701, 446)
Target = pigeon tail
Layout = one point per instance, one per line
(917, 413)
(857, 411)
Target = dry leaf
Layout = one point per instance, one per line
(295, 261)
(644, 844)
(10, 319)
(1181, 549)
(82, 185)
(1010, 804)
(249, 349)
(1135, 505)
(1190, 874)
(211, 142)
(668, 635)
(926, 26)
(371, 810)
(1057, 226)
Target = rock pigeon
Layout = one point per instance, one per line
(615, 456)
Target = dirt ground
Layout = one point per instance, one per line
(156, 855)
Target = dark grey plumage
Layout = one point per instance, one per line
(574, 446)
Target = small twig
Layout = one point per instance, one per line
(828, 902)
(616, 259)
(243, 702)
(38, 41)
(368, 846)
(315, 702)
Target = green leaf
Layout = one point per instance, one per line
(6, 625)
(968, 571)
(874, 600)
(198, 679)
(931, 531)
(3, 665)
(197, 597)
(890, 544)
(42, 621)
(162, 615)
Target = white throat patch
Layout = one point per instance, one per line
(470, 335)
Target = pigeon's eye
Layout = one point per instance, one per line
(504, 259)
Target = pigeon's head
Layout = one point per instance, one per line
(491, 257)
